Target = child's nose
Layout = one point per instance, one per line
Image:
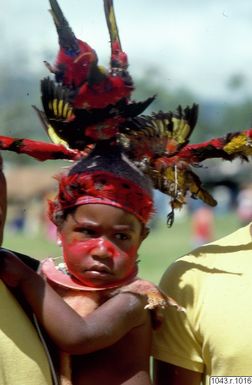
(104, 248)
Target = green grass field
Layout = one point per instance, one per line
(157, 252)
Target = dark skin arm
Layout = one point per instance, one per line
(168, 374)
(71, 333)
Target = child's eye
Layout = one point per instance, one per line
(86, 232)
(121, 236)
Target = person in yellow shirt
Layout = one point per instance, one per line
(23, 358)
(214, 337)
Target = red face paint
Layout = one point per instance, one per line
(100, 244)
(99, 262)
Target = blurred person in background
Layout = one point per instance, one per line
(202, 225)
(23, 358)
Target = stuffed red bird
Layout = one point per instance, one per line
(76, 65)
(87, 103)
(80, 112)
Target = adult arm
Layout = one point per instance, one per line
(71, 333)
(167, 374)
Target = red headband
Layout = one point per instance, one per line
(101, 187)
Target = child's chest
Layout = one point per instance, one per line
(116, 364)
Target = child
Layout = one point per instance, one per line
(101, 212)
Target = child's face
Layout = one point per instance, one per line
(100, 244)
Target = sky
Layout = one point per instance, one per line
(199, 44)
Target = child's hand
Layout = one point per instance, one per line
(12, 270)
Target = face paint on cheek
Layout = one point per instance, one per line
(132, 252)
(77, 251)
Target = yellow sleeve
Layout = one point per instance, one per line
(177, 341)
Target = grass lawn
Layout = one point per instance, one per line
(157, 252)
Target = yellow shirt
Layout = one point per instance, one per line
(214, 284)
(22, 357)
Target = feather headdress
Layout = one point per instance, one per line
(86, 105)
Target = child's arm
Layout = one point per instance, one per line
(71, 333)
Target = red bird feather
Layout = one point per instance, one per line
(76, 65)
(39, 150)
(75, 56)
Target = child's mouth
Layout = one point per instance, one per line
(99, 269)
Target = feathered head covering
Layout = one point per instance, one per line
(107, 177)
(88, 109)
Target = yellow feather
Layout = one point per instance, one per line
(65, 110)
(69, 113)
(236, 144)
(55, 107)
(55, 138)
(60, 107)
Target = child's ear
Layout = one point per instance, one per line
(145, 232)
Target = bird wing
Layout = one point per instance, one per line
(174, 175)
(160, 133)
